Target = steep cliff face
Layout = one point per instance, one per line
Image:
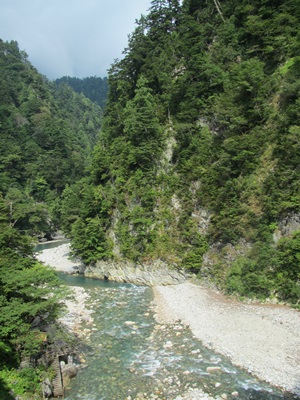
(198, 161)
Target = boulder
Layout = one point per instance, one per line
(211, 370)
(287, 226)
(47, 388)
(68, 371)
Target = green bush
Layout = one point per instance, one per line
(25, 383)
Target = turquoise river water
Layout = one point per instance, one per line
(128, 355)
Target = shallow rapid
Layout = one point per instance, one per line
(128, 355)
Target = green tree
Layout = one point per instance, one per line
(288, 268)
(28, 290)
(199, 146)
(142, 126)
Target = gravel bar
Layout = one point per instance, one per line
(263, 339)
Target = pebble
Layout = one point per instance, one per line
(274, 361)
(213, 369)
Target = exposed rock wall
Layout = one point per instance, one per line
(219, 258)
(287, 226)
(156, 273)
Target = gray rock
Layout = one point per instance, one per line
(149, 274)
(287, 226)
(47, 388)
(36, 322)
(213, 369)
(25, 363)
(69, 371)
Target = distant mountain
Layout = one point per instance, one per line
(47, 136)
(93, 87)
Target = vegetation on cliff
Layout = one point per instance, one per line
(199, 148)
(47, 136)
(197, 161)
(93, 87)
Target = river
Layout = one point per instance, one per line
(129, 356)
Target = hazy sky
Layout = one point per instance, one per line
(71, 37)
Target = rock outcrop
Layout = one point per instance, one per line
(47, 388)
(156, 273)
(287, 226)
(68, 371)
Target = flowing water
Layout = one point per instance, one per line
(129, 356)
(50, 245)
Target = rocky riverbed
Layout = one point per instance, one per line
(78, 315)
(59, 258)
(264, 339)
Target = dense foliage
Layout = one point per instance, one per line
(93, 87)
(199, 152)
(46, 138)
(30, 295)
(197, 162)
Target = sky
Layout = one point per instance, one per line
(71, 37)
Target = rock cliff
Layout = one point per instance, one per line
(156, 273)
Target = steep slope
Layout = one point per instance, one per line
(47, 135)
(197, 163)
(93, 87)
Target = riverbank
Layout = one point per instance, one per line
(263, 339)
(78, 317)
(58, 258)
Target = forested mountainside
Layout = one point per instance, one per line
(198, 160)
(47, 136)
(93, 87)
(196, 163)
(46, 139)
